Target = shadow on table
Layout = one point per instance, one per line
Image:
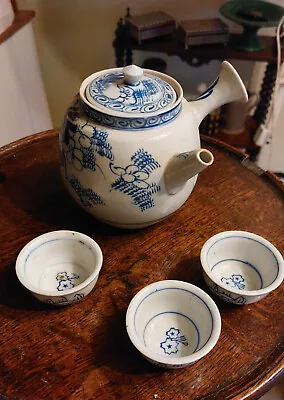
(190, 270)
(120, 353)
(40, 192)
(14, 295)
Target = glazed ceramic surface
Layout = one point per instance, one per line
(173, 323)
(241, 267)
(130, 143)
(60, 267)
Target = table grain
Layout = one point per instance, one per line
(82, 351)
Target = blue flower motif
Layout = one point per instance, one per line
(148, 95)
(62, 276)
(74, 154)
(227, 281)
(236, 280)
(173, 340)
(132, 174)
(81, 149)
(65, 280)
(65, 284)
(132, 180)
(87, 196)
(144, 161)
(173, 333)
(169, 346)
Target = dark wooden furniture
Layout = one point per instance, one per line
(202, 31)
(83, 351)
(195, 56)
(150, 25)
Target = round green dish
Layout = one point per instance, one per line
(252, 15)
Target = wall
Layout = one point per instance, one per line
(74, 39)
(24, 108)
(6, 15)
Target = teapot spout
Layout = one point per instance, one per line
(185, 166)
(228, 87)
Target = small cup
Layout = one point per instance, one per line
(173, 323)
(60, 267)
(241, 267)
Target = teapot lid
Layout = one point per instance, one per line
(131, 91)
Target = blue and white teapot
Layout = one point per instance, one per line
(130, 146)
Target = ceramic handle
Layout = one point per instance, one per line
(132, 74)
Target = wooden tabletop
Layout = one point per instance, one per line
(83, 351)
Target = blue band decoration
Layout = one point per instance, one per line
(132, 123)
(208, 91)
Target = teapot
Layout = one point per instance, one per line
(129, 144)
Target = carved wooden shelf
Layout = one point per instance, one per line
(198, 55)
(205, 53)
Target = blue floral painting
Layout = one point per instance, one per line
(235, 280)
(227, 296)
(173, 340)
(74, 110)
(87, 196)
(65, 280)
(81, 149)
(133, 179)
(63, 300)
(148, 95)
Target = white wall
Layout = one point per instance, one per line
(24, 108)
(74, 39)
(6, 14)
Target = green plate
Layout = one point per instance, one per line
(252, 15)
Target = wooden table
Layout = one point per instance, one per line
(83, 351)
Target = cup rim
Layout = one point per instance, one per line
(22, 256)
(184, 360)
(226, 234)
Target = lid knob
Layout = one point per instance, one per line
(132, 74)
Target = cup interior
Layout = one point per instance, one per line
(241, 262)
(58, 261)
(173, 322)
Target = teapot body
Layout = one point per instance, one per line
(117, 175)
(129, 144)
